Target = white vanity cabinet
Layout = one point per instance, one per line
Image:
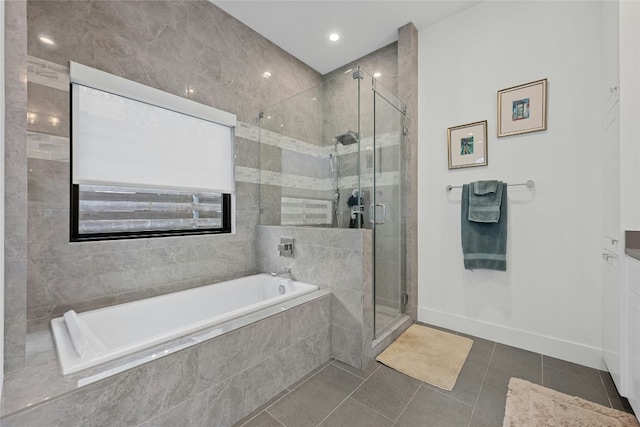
(633, 280)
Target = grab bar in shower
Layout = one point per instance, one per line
(529, 184)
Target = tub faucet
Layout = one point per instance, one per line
(285, 272)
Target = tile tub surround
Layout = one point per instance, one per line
(337, 260)
(216, 382)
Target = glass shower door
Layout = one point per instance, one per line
(386, 209)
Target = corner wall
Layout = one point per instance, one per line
(2, 109)
(549, 300)
(15, 185)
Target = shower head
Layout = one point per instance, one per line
(348, 138)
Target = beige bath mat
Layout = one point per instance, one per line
(430, 355)
(533, 405)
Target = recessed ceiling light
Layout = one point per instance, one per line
(334, 37)
(376, 75)
(46, 40)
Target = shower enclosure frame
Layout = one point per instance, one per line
(348, 163)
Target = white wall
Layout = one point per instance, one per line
(549, 299)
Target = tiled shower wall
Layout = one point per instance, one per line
(332, 110)
(189, 48)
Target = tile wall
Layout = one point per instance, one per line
(191, 49)
(15, 169)
(337, 260)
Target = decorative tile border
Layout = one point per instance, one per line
(50, 147)
(47, 73)
(47, 147)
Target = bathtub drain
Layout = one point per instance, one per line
(282, 289)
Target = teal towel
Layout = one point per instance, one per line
(485, 198)
(484, 244)
(484, 187)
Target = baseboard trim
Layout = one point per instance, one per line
(548, 346)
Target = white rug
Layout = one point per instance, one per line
(427, 354)
(531, 405)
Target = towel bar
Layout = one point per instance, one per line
(529, 183)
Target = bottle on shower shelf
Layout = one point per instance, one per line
(356, 203)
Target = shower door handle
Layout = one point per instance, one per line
(375, 218)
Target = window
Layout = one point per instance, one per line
(146, 163)
(104, 210)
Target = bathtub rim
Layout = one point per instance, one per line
(74, 364)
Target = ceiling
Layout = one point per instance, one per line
(302, 27)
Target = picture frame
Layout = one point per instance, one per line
(468, 145)
(522, 108)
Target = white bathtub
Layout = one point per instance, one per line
(84, 340)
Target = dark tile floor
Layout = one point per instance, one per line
(338, 395)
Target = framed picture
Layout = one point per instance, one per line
(522, 109)
(468, 145)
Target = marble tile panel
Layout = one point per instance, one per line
(269, 377)
(138, 22)
(344, 273)
(48, 183)
(247, 198)
(247, 153)
(117, 55)
(208, 90)
(15, 19)
(14, 315)
(306, 355)
(270, 158)
(15, 65)
(234, 352)
(164, 384)
(72, 40)
(329, 238)
(233, 402)
(48, 110)
(346, 308)
(116, 401)
(15, 153)
(270, 204)
(221, 405)
(73, 10)
(308, 319)
(308, 166)
(346, 346)
(15, 231)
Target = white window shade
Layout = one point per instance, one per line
(127, 141)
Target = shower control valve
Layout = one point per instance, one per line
(285, 248)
